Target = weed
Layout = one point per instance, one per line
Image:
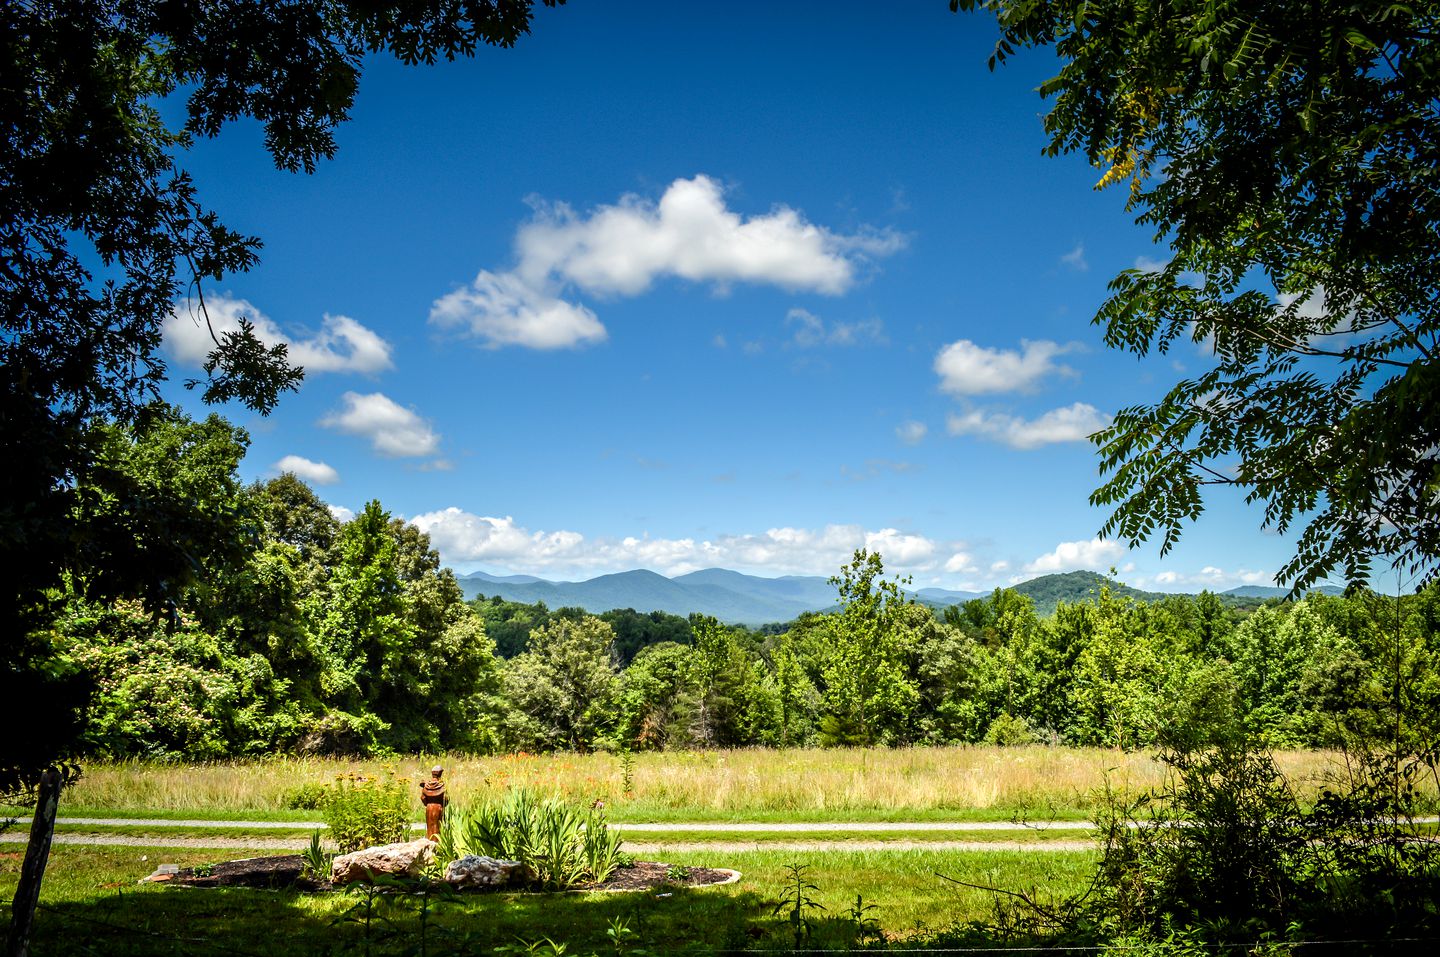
(796, 903)
(621, 936)
(865, 926)
(627, 773)
(543, 947)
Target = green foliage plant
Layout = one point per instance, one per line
(316, 860)
(367, 811)
(562, 845)
(1285, 152)
(796, 902)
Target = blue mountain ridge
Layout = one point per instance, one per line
(737, 598)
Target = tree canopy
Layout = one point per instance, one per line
(102, 233)
(1287, 154)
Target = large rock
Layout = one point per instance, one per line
(392, 860)
(473, 871)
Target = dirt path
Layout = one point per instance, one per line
(633, 847)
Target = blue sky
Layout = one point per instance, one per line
(687, 285)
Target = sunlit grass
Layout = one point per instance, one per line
(94, 906)
(978, 783)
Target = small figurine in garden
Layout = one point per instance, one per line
(433, 796)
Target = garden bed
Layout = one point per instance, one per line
(288, 870)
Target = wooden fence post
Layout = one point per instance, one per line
(27, 892)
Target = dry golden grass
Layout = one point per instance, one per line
(752, 784)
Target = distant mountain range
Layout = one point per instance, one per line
(738, 598)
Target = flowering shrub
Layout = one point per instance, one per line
(364, 812)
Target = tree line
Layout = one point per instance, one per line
(294, 631)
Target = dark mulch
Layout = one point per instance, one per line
(275, 871)
(287, 870)
(647, 875)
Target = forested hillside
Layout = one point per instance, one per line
(304, 634)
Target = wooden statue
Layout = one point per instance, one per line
(433, 796)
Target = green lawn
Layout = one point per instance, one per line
(92, 905)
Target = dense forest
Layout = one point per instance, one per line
(298, 632)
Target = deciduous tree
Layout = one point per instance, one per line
(1285, 152)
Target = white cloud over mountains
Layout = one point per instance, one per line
(1097, 554)
(393, 430)
(622, 249)
(341, 345)
(1071, 423)
(464, 537)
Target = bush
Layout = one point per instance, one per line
(561, 844)
(306, 797)
(1225, 856)
(364, 812)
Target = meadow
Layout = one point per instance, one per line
(974, 783)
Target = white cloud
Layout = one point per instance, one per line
(1075, 259)
(1210, 577)
(392, 429)
(960, 563)
(1150, 264)
(968, 369)
(622, 249)
(1071, 423)
(341, 513)
(911, 432)
(341, 345)
(501, 310)
(462, 537)
(1000, 566)
(1097, 554)
(316, 472)
(812, 331)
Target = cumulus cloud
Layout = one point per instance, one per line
(969, 369)
(1210, 577)
(1071, 423)
(812, 331)
(622, 249)
(1097, 554)
(464, 537)
(341, 345)
(911, 432)
(317, 472)
(960, 563)
(393, 430)
(340, 513)
(501, 310)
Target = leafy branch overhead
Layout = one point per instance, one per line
(1287, 155)
(102, 233)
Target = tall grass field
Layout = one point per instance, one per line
(952, 783)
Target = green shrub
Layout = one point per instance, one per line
(363, 812)
(306, 797)
(561, 844)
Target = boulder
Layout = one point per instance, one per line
(392, 860)
(473, 871)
